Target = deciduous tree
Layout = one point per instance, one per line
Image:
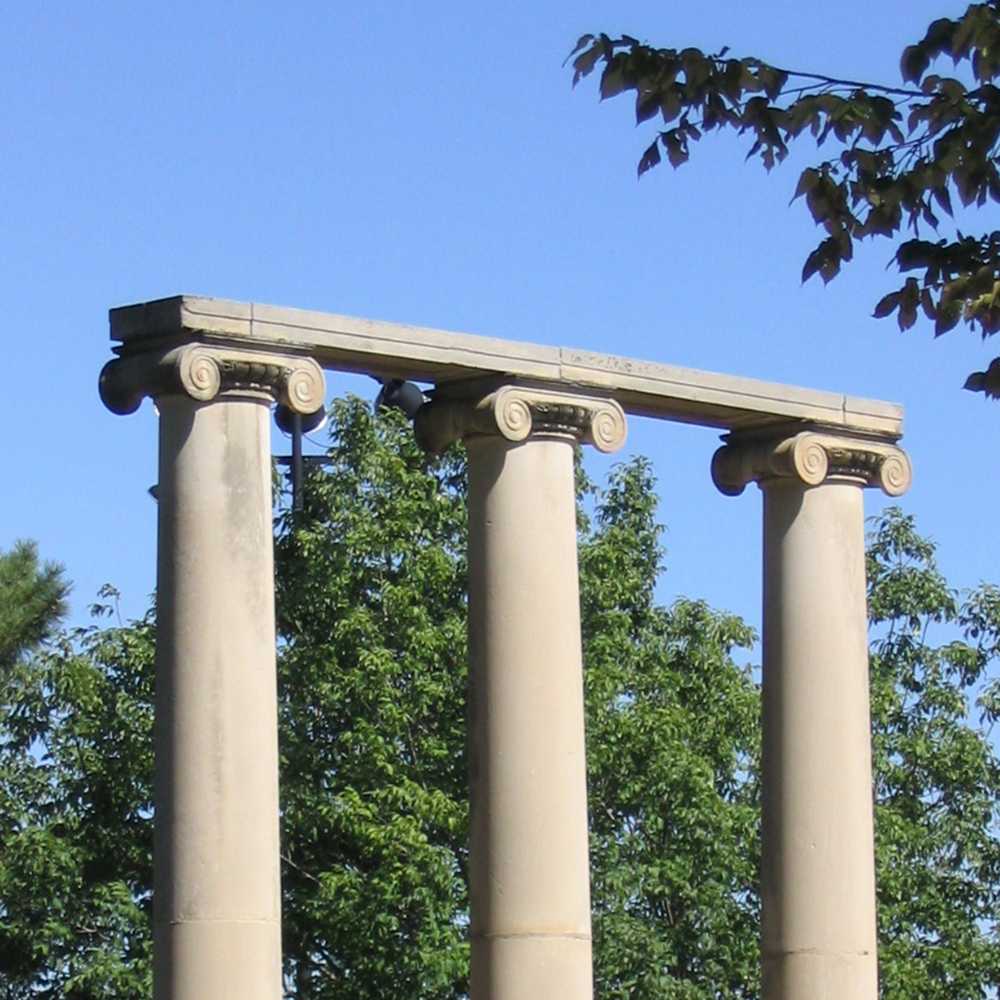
(672, 741)
(937, 796)
(371, 615)
(76, 770)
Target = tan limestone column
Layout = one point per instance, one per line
(818, 855)
(216, 890)
(528, 855)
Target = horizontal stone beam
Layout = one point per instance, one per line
(393, 350)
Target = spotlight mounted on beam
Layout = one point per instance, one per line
(396, 394)
(288, 420)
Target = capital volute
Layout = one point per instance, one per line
(517, 412)
(811, 458)
(204, 372)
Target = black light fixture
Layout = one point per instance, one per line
(396, 394)
(296, 424)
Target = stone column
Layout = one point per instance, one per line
(529, 868)
(818, 855)
(216, 889)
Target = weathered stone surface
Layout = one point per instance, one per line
(817, 846)
(811, 458)
(392, 350)
(217, 916)
(203, 372)
(819, 938)
(516, 412)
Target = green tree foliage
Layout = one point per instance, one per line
(76, 772)
(371, 611)
(673, 738)
(902, 152)
(371, 585)
(937, 813)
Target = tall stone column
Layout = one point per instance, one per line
(216, 888)
(529, 869)
(818, 855)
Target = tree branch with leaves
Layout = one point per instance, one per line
(903, 153)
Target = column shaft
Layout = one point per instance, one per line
(217, 903)
(529, 871)
(817, 875)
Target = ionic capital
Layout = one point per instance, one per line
(518, 412)
(203, 373)
(811, 457)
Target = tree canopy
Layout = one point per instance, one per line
(937, 777)
(371, 613)
(901, 152)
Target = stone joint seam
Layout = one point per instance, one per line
(182, 921)
(530, 935)
(812, 458)
(820, 952)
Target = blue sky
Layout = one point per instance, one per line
(431, 164)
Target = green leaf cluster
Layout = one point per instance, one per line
(903, 152)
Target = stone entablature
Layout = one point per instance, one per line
(398, 350)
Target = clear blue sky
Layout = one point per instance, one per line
(430, 164)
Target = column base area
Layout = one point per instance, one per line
(217, 960)
(531, 967)
(820, 976)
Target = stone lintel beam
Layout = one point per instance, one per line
(811, 456)
(444, 358)
(516, 412)
(203, 373)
